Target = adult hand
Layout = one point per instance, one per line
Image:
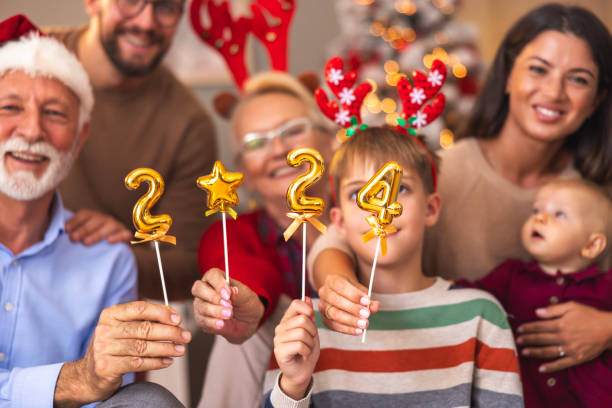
(572, 333)
(233, 312)
(90, 227)
(345, 306)
(296, 348)
(130, 337)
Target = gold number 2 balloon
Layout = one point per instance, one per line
(304, 208)
(149, 227)
(297, 200)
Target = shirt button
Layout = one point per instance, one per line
(560, 281)
(551, 382)
(15, 262)
(554, 300)
(8, 306)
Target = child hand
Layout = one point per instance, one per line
(345, 306)
(296, 348)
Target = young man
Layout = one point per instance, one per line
(143, 117)
(430, 344)
(66, 336)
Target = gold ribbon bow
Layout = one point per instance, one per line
(378, 231)
(158, 235)
(301, 218)
(222, 208)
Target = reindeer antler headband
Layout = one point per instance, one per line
(414, 96)
(228, 36)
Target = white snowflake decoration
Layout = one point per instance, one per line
(347, 96)
(420, 120)
(417, 96)
(335, 76)
(342, 117)
(435, 78)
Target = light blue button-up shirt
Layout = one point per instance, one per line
(51, 296)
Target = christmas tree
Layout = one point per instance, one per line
(386, 39)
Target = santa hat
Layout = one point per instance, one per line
(24, 48)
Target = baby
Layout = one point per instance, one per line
(566, 234)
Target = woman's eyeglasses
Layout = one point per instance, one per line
(289, 132)
(166, 12)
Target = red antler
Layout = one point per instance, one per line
(232, 49)
(274, 35)
(341, 84)
(425, 87)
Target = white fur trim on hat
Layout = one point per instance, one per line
(47, 57)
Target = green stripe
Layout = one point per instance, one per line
(435, 316)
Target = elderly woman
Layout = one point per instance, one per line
(275, 115)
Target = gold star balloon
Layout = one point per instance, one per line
(221, 186)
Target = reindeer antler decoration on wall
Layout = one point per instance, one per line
(270, 24)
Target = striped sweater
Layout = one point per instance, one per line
(443, 346)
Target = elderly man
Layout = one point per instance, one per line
(65, 338)
(143, 117)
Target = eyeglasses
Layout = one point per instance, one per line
(166, 12)
(289, 132)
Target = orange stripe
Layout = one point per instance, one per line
(498, 359)
(390, 361)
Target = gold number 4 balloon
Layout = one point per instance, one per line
(379, 195)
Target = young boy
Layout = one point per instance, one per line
(431, 344)
(566, 234)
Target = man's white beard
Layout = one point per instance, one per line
(24, 185)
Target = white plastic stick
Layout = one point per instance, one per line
(161, 272)
(372, 280)
(303, 261)
(225, 249)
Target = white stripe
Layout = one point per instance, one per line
(498, 381)
(488, 333)
(411, 381)
(393, 383)
(386, 383)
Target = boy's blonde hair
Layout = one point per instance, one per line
(379, 145)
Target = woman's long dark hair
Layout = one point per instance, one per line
(591, 144)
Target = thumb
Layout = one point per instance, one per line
(241, 293)
(554, 310)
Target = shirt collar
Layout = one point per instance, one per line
(58, 219)
(588, 273)
(54, 230)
